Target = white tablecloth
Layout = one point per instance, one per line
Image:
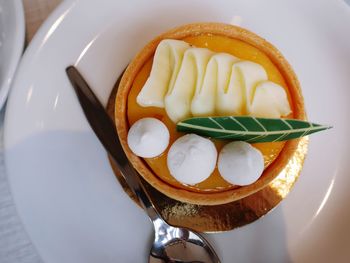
(15, 245)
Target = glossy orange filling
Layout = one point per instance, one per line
(216, 43)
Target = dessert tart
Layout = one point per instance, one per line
(208, 49)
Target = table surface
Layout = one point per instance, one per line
(36, 11)
(15, 245)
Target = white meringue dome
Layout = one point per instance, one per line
(192, 159)
(148, 137)
(240, 163)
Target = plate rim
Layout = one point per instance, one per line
(17, 51)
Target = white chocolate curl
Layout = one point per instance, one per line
(166, 65)
(190, 81)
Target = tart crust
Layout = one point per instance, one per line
(229, 31)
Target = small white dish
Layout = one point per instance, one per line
(12, 32)
(65, 192)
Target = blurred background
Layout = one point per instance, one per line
(36, 11)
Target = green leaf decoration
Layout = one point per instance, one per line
(249, 129)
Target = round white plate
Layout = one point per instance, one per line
(12, 30)
(70, 203)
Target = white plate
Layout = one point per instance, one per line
(66, 194)
(12, 31)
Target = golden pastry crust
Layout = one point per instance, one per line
(216, 29)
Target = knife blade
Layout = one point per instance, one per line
(106, 132)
